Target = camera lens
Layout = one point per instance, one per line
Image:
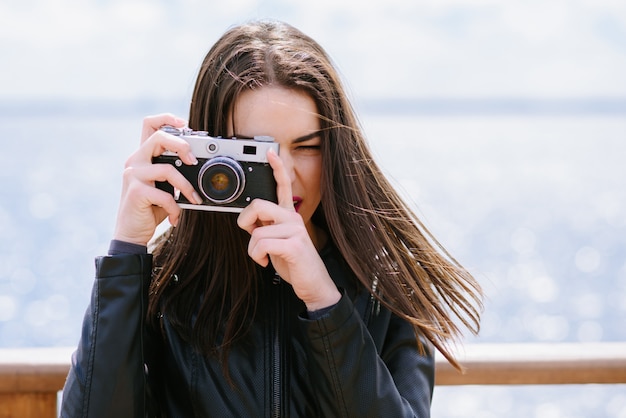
(221, 180)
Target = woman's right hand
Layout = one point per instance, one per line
(142, 206)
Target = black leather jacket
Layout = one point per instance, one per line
(357, 360)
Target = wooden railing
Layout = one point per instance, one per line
(537, 364)
(31, 378)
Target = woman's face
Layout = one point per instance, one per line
(291, 117)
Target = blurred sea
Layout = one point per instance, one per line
(533, 203)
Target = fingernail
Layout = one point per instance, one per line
(193, 158)
(197, 198)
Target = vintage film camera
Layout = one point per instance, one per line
(230, 172)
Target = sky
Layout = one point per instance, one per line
(132, 49)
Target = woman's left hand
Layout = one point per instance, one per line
(278, 233)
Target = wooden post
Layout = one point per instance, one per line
(30, 379)
(27, 405)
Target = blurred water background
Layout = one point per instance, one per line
(504, 123)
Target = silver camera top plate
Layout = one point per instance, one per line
(205, 146)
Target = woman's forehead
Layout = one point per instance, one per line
(285, 114)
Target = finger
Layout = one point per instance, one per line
(262, 249)
(163, 204)
(157, 144)
(274, 231)
(258, 213)
(261, 236)
(168, 142)
(257, 254)
(283, 181)
(151, 124)
(164, 201)
(150, 174)
(141, 209)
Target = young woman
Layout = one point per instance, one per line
(327, 303)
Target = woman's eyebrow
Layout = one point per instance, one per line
(306, 137)
(295, 141)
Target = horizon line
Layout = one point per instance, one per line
(400, 106)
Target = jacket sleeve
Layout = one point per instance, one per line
(107, 378)
(362, 381)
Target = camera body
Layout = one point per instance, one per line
(230, 172)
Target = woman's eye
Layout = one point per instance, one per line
(308, 147)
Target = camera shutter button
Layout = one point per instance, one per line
(264, 138)
(211, 147)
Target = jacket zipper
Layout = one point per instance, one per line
(276, 350)
(276, 380)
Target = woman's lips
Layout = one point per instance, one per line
(297, 202)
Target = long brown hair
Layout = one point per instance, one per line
(384, 243)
